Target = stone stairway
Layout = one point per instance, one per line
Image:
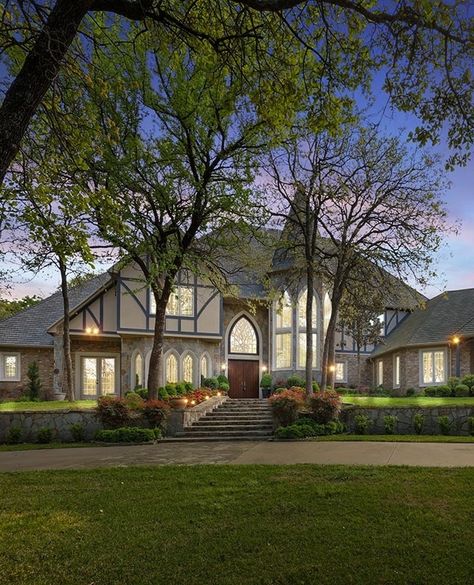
(234, 420)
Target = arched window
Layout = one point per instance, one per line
(302, 329)
(171, 369)
(188, 368)
(327, 312)
(205, 366)
(243, 337)
(137, 371)
(284, 312)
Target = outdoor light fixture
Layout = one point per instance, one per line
(89, 330)
(206, 397)
(456, 340)
(95, 331)
(264, 368)
(332, 368)
(218, 394)
(193, 402)
(223, 367)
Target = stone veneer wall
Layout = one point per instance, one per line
(45, 361)
(59, 420)
(352, 369)
(457, 415)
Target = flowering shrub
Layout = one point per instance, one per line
(286, 404)
(113, 412)
(155, 412)
(201, 394)
(325, 406)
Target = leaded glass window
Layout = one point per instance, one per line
(433, 366)
(188, 366)
(171, 369)
(302, 311)
(284, 312)
(327, 312)
(380, 373)
(243, 337)
(302, 350)
(340, 372)
(283, 350)
(204, 367)
(180, 303)
(138, 367)
(10, 366)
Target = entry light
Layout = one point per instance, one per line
(89, 330)
(456, 340)
(223, 367)
(264, 368)
(332, 368)
(95, 331)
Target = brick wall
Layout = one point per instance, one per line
(352, 366)
(44, 359)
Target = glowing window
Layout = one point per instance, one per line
(188, 367)
(302, 311)
(302, 350)
(171, 369)
(243, 338)
(138, 370)
(284, 312)
(283, 350)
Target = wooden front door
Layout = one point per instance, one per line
(243, 378)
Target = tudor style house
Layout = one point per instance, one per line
(243, 335)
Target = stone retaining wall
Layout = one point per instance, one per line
(457, 415)
(30, 422)
(181, 418)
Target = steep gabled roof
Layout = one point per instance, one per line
(447, 314)
(30, 327)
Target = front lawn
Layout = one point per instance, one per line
(406, 401)
(398, 438)
(245, 525)
(47, 405)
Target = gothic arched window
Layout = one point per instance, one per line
(243, 337)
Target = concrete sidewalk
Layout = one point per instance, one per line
(262, 452)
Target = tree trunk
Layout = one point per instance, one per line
(68, 381)
(309, 328)
(39, 70)
(328, 365)
(155, 367)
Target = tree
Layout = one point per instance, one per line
(11, 307)
(171, 164)
(426, 48)
(374, 207)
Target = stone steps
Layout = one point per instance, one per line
(234, 420)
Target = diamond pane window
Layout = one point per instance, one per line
(302, 311)
(243, 338)
(340, 372)
(283, 350)
(302, 350)
(11, 366)
(171, 369)
(284, 312)
(188, 364)
(204, 367)
(138, 370)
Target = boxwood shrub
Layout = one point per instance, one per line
(126, 435)
(461, 390)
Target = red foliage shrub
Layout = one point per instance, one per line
(325, 406)
(155, 411)
(112, 412)
(286, 404)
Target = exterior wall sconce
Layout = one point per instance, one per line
(456, 341)
(92, 330)
(264, 368)
(332, 368)
(223, 367)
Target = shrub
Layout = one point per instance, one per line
(362, 424)
(325, 406)
(342, 391)
(411, 391)
(142, 392)
(431, 391)
(112, 412)
(211, 383)
(45, 435)
(307, 427)
(224, 387)
(181, 388)
(77, 431)
(125, 435)
(188, 386)
(155, 412)
(443, 391)
(390, 424)
(453, 381)
(34, 382)
(290, 432)
(163, 393)
(315, 387)
(295, 380)
(418, 422)
(461, 390)
(171, 389)
(222, 382)
(13, 435)
(444, 424)
(266, 381)
(158, 433)
(468, 381)
(286, 404)
(379, 391)
(134, 401)
(470, 425)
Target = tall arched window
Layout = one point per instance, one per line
(302, 329)
(284, 332)
(188, 368)
(205, 367)
(327, 311)
(171, 369)
(243, 337)
(137, 371)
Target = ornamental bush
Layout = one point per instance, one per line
(470, 425)
(155, 412)
(34, 383)
(13, 436)
(431, 391)
(362, 424)
(390, 424)
(125, 435)
(45, 435)
(418, 422)
(307, 427)
(444, 391)
(211, 383)
(461, 390)
(112, 412)
(295, 380)
(134, 401)
(77, 432)
(453, 381)
(468, 381)
(444, 424)
(325, 406)
(286, 404)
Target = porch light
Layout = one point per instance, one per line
(223, 367)
(95, 331)
(456, 340)
(264, 368)
(89, 330)
(332, 368)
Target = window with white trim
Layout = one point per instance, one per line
(380, 373)
(283, 350)
(284, 312)
(433, 366)
(180, 303)
(205, 367)
(138, 371)
(396, 371)
(327, 312)
(284, 332)
(188, 368)
(9, 367)
(171, 369)
(341, 372)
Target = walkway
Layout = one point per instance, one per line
(262, 452)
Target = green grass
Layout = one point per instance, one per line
(47, 405)
(245, 525)
(398, 438)
(409, 401)
(37, 446)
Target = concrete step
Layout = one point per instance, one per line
(244, 410)
(193, 439)
(192, 432)
(237, 419)
(234, 427)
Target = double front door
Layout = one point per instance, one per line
(98, 376)
(243, 378)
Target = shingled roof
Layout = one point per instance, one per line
(30, 327)
(447, 314)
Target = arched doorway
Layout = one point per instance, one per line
(243, 358)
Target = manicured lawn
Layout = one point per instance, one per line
(421, 401)
(37, 446)
(398, 438)
(226, 525)
(47, 405)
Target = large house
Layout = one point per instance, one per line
(242, 335)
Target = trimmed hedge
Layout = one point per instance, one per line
(307, 427)
(127, 435)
